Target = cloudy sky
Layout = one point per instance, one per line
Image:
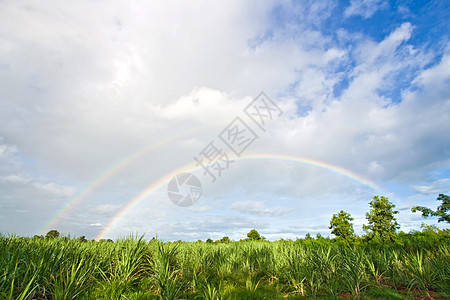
(102, 102)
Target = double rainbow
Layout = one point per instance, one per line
(154, 186)
(108, 174)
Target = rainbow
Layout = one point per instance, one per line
(108, 174)
(142, 195)
(151, 188)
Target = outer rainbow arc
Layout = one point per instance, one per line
(104, 177)
(151, 188)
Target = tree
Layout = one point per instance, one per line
(82, 239)
(225, 240)
(442, 211)
(253, 235)
(382, 222)
(341, 225)
(209, 241)
(52, 234)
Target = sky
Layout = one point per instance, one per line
(294, 109)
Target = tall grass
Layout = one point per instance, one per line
(134, 268)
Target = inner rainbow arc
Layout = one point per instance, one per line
(155, 185)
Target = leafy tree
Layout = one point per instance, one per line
(308, 236)
(253, 235)
(382, 222)
(443, 210)
(209, 241)
(341, 225)
(82, 239)
(225, 240)
(52, 234)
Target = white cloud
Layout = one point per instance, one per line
(6, 150)
(372, 55)
(19, 177)
(106, 208)
(258, 208)
(437, 187)
(204, 105)
(365, 8)
(55, 190)
(15, 179)
(200, 209)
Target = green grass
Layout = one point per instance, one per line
(133, 268)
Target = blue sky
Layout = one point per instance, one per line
(101, 101)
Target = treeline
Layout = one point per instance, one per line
(382, 225)
(428, 237)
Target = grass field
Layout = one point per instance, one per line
(416, 265)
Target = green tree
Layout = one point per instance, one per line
(82, 239)
(52, 234)
(382, 222)
(225, 240)
(341, 225)
(209, 241)
(442, 211)
(253, 235)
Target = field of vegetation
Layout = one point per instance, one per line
(414, 265)
(383, 264)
